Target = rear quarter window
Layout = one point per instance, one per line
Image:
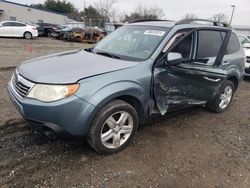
(233, 44)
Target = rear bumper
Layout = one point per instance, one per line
(34, 33)
(71, 115)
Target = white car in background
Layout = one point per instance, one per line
(246, 48)
(17, 29)
(245, 42)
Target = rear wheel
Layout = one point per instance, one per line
(113, 127)
(27, 35)
(224, 98)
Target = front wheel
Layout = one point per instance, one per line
(113, 127)
(223, 98)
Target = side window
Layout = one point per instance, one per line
(184, 47)
(209, 44)
(16, 24)
(7, 24)
(233, 44)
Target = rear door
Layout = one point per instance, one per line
(18, 29)
(197, 78)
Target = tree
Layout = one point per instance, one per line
(220, 18)
(106, 8)
(57, 6)
(190, 16)
(144, 13)
(91, 12)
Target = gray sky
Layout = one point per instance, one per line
(176, 9)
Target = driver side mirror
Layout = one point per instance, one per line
(246, 45)
(174, 58)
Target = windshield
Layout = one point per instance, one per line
(132, 42)
(243, 40)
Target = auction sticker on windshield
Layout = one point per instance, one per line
(154, 32)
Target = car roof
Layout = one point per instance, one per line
(182, 24)
(13, 21)
(155, 23)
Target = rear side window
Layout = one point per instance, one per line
(233, 44)
(15, 24)
(209, 44)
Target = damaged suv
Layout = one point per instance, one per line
(140, 69)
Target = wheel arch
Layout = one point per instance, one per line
(27, 32)
(235, 80)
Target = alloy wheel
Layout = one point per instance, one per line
(117, 129)
(226, 97)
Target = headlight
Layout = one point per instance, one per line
(49, 93)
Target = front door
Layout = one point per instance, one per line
(195, 78)
(6, 29)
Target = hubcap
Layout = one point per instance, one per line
(27, 35)
(117, 129)
(226, 97)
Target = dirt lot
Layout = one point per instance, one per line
(194, 148)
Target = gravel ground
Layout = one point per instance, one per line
(191, 148)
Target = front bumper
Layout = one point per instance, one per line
(72, 115)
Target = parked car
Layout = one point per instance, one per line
(89, 35)
(17, 29)
(46, 29)
(62, 33)
(70, 31)
(140, 69)
(243, 39)
(245, 42)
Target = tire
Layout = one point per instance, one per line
(223, 94)
(107, 139)
(27, 35)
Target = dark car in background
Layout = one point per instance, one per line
(46, 29)
(63, 33)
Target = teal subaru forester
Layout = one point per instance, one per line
(142, 68)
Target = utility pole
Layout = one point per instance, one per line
(233, 6)
(84, 5)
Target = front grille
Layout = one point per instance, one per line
(247, 71)
(248, 59)
(21, 85)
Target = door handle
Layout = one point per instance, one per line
(212, 79)
(226, 63)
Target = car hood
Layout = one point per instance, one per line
(70, 67)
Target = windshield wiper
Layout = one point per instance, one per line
(108, 55)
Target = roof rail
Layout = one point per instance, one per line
(149, 20)
(215, 23)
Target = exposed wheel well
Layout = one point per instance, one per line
(234, 80)
(133, 102)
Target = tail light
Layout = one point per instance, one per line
(34, 28)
